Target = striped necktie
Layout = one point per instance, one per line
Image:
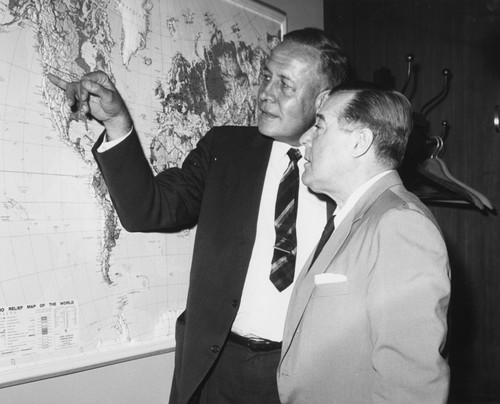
(285, 215)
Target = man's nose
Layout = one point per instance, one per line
(305, 139)
(267, 91)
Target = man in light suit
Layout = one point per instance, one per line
(367, 319)
(229, 337)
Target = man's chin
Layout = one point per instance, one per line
(306, 179)
(276, 134)
(266, 129)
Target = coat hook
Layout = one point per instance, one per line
(444, 129)
(410, 58)
(433, 102)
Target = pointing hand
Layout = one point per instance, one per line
(95, 94)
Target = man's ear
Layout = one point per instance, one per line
(321, 98)
(363, 141)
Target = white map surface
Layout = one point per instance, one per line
(73, 283)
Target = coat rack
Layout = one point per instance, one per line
(423, 171)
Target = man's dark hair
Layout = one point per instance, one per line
(386, 112)
(333, 60)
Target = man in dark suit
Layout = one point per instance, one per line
(229, 337)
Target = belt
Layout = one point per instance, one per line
(255, 344)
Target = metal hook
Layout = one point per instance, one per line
(409, 60)
(433, 102)
(444, 129)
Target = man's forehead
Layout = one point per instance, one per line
(332, 108)
(289, 52)
(335, 103)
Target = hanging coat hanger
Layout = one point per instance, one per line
(475, 194)
(436, 170)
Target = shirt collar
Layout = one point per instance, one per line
(341, 213)
(280, 149)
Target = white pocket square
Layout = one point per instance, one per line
(328, 277)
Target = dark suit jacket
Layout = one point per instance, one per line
(219, 189)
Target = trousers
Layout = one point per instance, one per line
(241, 376)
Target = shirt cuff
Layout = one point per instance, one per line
(105, 145)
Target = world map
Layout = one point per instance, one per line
(73, 284)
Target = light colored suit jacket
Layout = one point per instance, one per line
(376, 337)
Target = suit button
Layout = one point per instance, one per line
(234, 303)
(215, 348)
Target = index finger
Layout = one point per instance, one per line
(62, 84)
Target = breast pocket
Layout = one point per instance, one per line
(331, 289)
(328, 304)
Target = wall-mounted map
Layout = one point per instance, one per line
(76, 290)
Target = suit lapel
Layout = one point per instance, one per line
(250, 178)
(305, 283)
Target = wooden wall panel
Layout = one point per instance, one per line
(464, 36)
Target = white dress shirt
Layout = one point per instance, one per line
(263, 308)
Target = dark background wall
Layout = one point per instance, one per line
(464, 36)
